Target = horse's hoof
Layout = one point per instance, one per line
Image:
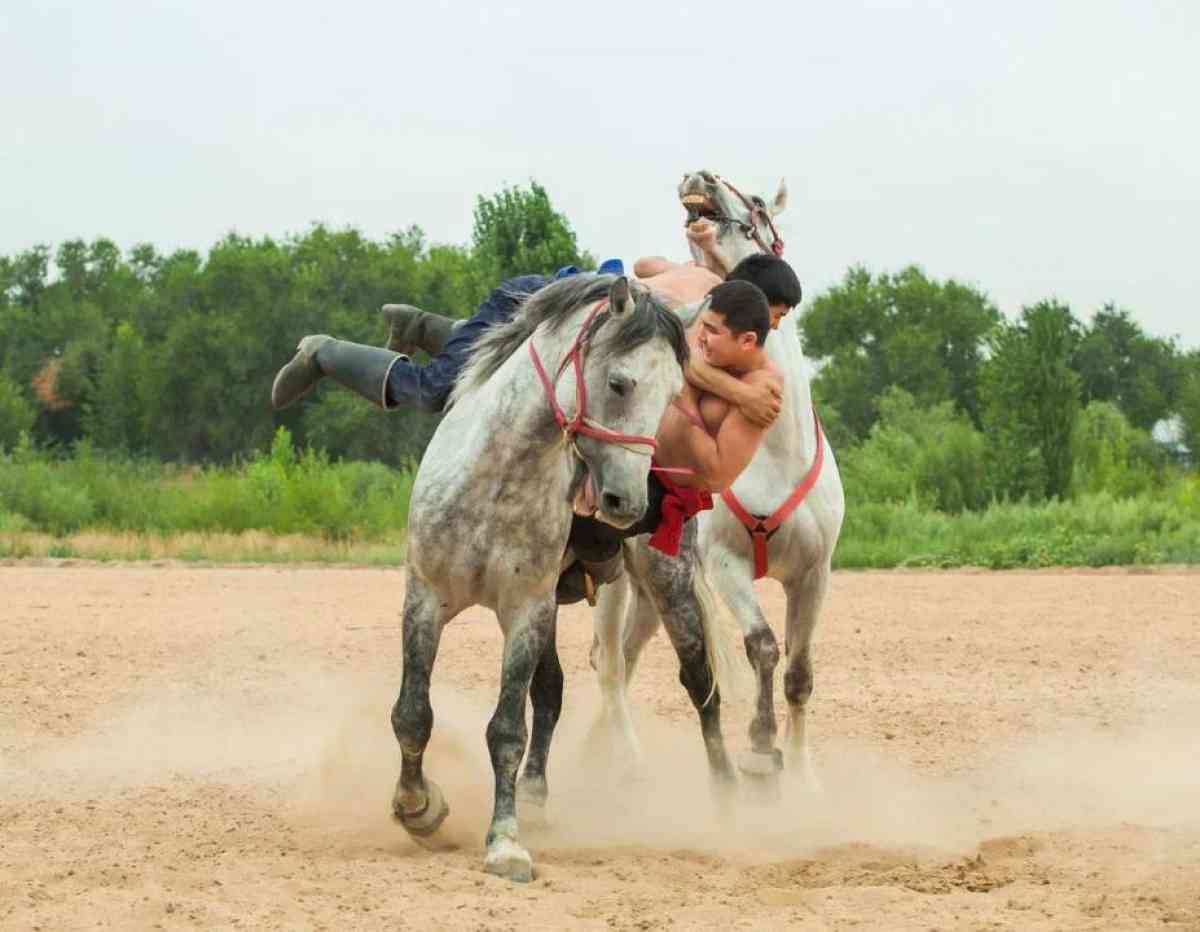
(426, 821)
(758, 764)
(506, 858)
(762, 773)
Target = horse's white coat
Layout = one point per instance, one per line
(488, 523)
(799, 553)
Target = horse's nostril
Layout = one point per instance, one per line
(613, 504)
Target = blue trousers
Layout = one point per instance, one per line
(428, 386)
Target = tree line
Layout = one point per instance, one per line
(933, 392)
(926, 390)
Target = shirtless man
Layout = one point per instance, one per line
(682, 282)
(704, 440)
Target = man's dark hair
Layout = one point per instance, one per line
(744, 307)
(774, 276)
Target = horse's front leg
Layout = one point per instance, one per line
(545, 693)
(418, 803)
(527, 632)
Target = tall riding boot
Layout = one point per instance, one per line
(411, 329)
(364, 369)
(582, 578)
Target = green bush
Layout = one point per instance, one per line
(931, 456)
(1110, 454)
(285, 491)
(280, 492)
(16, 414)
(1092, 530)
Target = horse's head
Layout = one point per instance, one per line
(632, 371)
(724, 226)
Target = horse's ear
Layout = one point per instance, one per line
(780, 199)
(619, 297)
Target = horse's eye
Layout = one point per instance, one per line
(620, 384)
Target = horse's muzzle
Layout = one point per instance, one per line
(620, 511)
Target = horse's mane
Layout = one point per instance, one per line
(551, 306)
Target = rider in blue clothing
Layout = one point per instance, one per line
(391, 379)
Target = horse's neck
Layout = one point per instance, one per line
(794, 433)
(510, 409)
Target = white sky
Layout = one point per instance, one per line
(1034, 148)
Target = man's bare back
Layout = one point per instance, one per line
(678, 285)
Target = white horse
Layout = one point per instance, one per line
(775, 536)
(492, 506)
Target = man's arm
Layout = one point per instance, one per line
(720, 460)
(759, 400)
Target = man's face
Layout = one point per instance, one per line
(778, 313)
(719, 345)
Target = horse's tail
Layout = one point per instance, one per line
(716, 642)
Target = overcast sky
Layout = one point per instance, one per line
(1034, 148)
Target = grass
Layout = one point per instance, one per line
(289, 507)
(245, 547)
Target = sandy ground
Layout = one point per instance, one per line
(210, 748)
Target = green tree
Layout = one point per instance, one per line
(905, 330)
(933, 454)
(1189, 408)
(16, 414)
(517, 231)
(115, 416)
(1030, 397)
(27, 276)
(340, 424)
(1119, 362)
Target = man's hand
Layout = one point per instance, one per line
(761, 403)
(649, 266)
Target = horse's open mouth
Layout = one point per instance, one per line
(699, 207)
(585, 497)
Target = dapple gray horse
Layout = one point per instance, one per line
(492, 506)
(780, 519)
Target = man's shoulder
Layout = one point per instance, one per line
(766, 374)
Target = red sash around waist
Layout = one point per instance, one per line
(678, 505)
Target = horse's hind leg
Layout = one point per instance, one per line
(671, 582)
(804, 598)
(608, 658)
(732, 577)
(545, 692)
(418, 803)
(526, 635)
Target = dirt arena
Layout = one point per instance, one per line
(210, 748)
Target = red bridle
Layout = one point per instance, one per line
(581, 423)
(751, 228)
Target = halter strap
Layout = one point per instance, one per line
(751, 228)
(581, 423)
(761, 529)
